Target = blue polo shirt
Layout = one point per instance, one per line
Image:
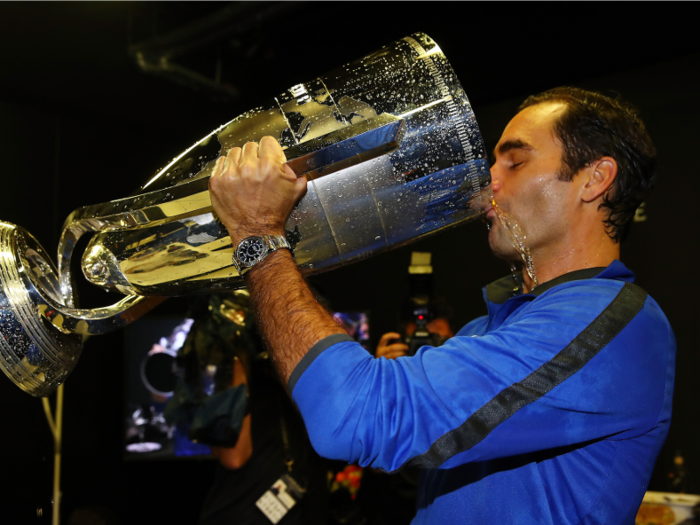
(551, 409)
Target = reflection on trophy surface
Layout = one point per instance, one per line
(392, 152)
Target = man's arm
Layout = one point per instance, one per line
(253, 192)
(290, 318)
(550, 378)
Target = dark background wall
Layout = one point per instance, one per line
(81, 124)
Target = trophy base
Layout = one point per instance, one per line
(34, 354)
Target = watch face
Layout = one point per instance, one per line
(250, 251)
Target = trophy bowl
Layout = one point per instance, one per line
(392, 153)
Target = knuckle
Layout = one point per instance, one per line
(247, 169)
(267, 164)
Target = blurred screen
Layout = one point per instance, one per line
(150, 349)
(356, 324)
(151, 346)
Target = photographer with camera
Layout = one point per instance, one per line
(417, 334)
(424, 320)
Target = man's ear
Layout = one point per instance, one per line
(601, 174)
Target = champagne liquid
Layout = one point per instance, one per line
(517, 238)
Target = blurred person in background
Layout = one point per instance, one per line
(232, 401)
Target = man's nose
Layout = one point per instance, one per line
(496, 179)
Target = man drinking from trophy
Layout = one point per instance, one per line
(550, 409)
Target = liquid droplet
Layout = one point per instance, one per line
(517, 238)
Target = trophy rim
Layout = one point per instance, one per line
(34, 354)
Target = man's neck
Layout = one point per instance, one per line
(598, 252)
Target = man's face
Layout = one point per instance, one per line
(525, 184)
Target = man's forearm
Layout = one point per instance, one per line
(290, 318)
(253, 192)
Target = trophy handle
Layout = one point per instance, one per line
(96, 321)
(35, 354)
(314, 158)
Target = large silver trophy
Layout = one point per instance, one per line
(392, 153)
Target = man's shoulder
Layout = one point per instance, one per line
(611, 297)
(592, 293)
(579, 299)
(474, 327)
(597, 289)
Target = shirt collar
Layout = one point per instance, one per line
(509, 286)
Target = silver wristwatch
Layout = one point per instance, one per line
(251, 250)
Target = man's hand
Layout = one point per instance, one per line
(253, 191)
(391, 351)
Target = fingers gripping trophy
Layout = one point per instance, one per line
(387, 148)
